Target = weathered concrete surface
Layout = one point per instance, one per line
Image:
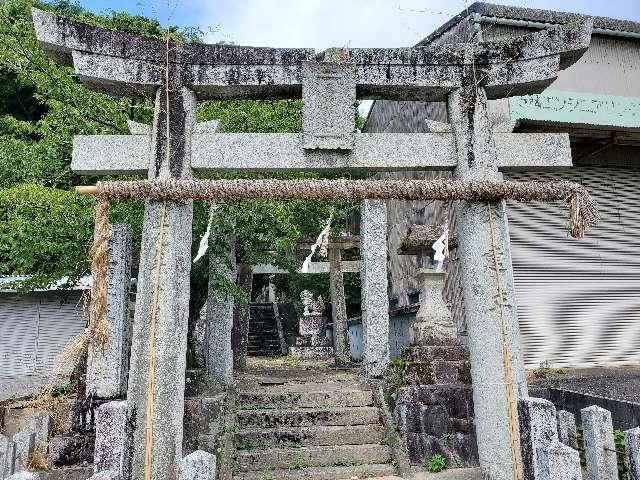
(308, 417)
(437, 419)
(24, 475)
(71, 450)
(632, 452)
(543, 456)
(198, 465)
(127, 154)
(125, 64)
(108, 365)
(41, 424)
(329, 96)
(375, 302)
(203, 422)
(338, 308)
(281, 458)
(219, 354)
(433, 323)
(282, 399)
(24, 442)
(489, 294)
(18, 387)
(7, 456)
(311, 436)
(113, 439)
(600, 448)
(567, 431)
(105, 475)
(241, 314)
(320, 473)
(158, 352)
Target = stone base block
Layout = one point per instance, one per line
(437, 419)
(312, 325)
(458, 449)
(24, 475)
(198, 465)
(203, 421)
(69, 450)
(311, 353)
(313, 341)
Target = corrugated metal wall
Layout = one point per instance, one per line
(579, 300)
(34, 329)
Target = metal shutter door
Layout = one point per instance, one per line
(579, 300)
(60, 321)
(18, 333)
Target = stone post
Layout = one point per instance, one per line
(241, 314)
(108, 365)
(543, 456)
(375, 301)
(338, 307)
(7, 456)
(488, 292)
(198, 465)
(632, 452)
(24, 443)
(219, 354)
(159, 345)
(113, 440)
(599, 446)
(567, 431)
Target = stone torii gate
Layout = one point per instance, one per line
(463, 75)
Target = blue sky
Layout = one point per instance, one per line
(331, 23)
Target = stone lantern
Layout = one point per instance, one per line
(312, 342)
(433, 324)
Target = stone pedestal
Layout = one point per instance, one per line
(433, 323)
(312, 341)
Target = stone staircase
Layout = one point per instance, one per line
(264, 340)
(308, 425)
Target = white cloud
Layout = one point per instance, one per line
(324, 23)
(321, 24)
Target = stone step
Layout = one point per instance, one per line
(70, 473)
(319, 456)
(320, 473)
(274, 418)
(439, 352)
(261, 438)
(304, 399)
(273, 383)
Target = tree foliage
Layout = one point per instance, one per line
(45, 228)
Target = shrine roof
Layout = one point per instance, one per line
(532, 15)
(422, 237)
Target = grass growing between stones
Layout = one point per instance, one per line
(297, 463)
(436, 463)
(38, 458)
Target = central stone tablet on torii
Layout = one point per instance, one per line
(177, 75)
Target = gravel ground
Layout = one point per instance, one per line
(617, 383)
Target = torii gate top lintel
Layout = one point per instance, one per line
(131, 65)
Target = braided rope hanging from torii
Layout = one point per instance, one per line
(583, 210)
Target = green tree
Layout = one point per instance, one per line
(46, 229)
